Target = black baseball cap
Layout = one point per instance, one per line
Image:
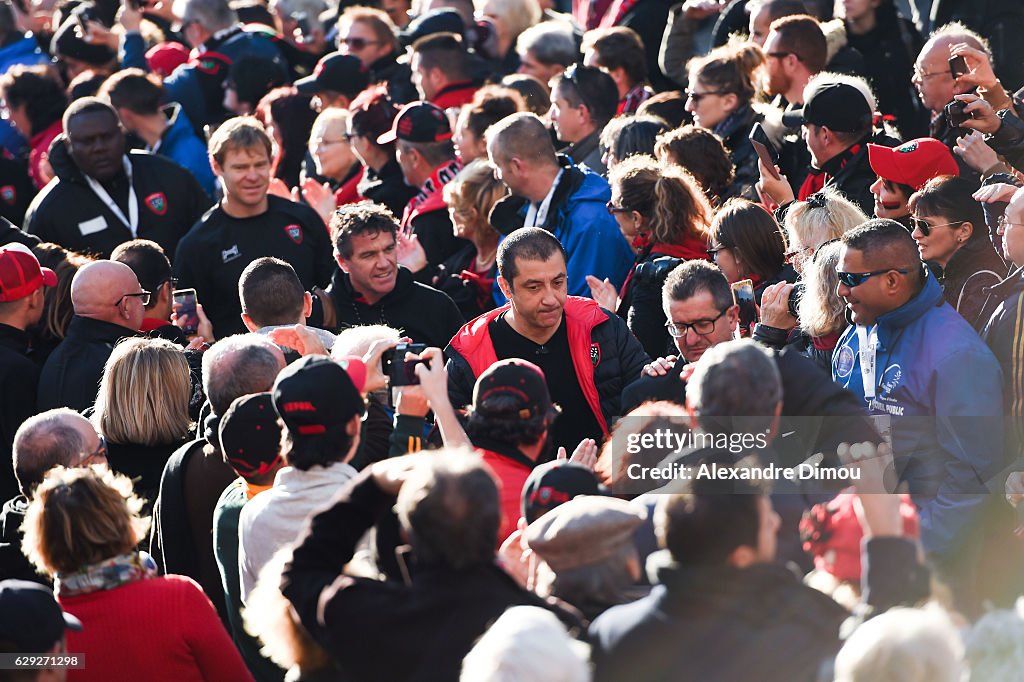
(418, 122)
(512, 388)
(555, 483)
(30, 617)
(338, 72)
(315, 394)
(442, 20)
(250, 435)
(837, 106)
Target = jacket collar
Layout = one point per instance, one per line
(501, 449)
(578, 151)
(929, 297)
(1013, 283)
(342, 283)
(88, 329)
(14, 338)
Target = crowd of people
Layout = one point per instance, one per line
(520, 340)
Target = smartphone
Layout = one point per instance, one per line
(185, 302)
(764, 149)
(743, 294)
(958, 66)
(400, 371)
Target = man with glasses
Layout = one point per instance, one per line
(369, 34)
(909, 355)
(109, 305)
(54, 438)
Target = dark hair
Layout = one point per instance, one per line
(778, 8)
(669, 106)
(692, 277)
(289, 112)
(372, 114)
(271, 292)
(729, 69)
(87, 105)
(591, 87)
(801, 35)
(751, 230)
(625, 136)
(883, 240)
(446, 52)
(619, 47)
(253, 76)
(907, 190)
(364, 217)
(57, 307)
(37, 89)
(702, 153)
(147, 260)
(526, 243)
(86, 84)
(703, 526)
(134, 90)
(952, 198)
(535, 94)
(669, 198)
(323, 449)
(491, 104)
(509, 430)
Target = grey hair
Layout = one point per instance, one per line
(603, 584)
(449, 507)
(908, 645)
(995, 645)
(722, 380)
(554, 656)
(550, 42)
(357, 340)
(213, 15)
(45, 441)
(238, 365)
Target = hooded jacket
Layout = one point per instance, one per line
(942, 388)
(69, 213)
(605, 356)
(180, 144)
(580, 220)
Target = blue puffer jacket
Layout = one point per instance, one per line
(181, 145)
(580, 220)
(943, 389)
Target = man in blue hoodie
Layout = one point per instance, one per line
(909, 355)
(549, 191)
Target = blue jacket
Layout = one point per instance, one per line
(580, 220)
(933, 370)
(181, 145)
(25, 51)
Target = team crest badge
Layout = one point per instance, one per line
(595, 354)
(157, 203)
(294, 233)
(9, 194)
(907, 148)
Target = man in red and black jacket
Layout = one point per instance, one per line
(442, 70)
(587, 354)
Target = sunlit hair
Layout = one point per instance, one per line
(669, 198)
(821, 311)
(475, 187)
(825, 215)
(80, 517)
(144, 393)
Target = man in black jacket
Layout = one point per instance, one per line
(102, 196)
(247, 224)
(109, 305)
(21, 305)
(371, 288)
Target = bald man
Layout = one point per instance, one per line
(109, 305)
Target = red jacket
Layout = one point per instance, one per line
(511, 473)
(40, 144)
(454, 95)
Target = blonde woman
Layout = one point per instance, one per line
(142, 409)
(82, 528)
(824, 216)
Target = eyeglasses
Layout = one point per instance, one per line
(357, 44)
(926, 229)
(698, 96)
(1004, 224)
(324, 141)
(855, 279)
(143, 297)
(792, 255)
(96, 456)
(713, 251)
(924, 75)
(700, 327)
(613, 209)
(351, 136)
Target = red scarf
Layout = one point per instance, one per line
(691, 248)
(817, 179)
(348, 193)
(431, 195)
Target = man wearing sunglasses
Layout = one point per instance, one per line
(109, 305)
(911, 357)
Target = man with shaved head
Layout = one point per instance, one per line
(109, 305)
(549, 191)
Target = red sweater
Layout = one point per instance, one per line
(162, 629)
(511, 476)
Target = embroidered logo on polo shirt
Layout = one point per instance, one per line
(157, 203)
(294, 232)
(595, 354)
(228, 255)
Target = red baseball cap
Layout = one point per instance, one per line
(912, 163)
(20, 273)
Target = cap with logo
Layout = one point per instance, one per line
(21, 274)
(441, 20)
(512, 389)
(315, 394)
(555, 483)
(250, 435)
(30, 617)
(912, 163)
(418, 122)
(836, 106)
(338, 72)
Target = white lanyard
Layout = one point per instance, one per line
(536, 215)
(132, 222)
(868, 343)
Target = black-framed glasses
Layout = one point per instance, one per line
(795, 253)
(926, 229)
(143, 297)
(613, 209)
(855, 279)
(96, 456)
(698, 96)
(358, 43)
(700, 327)
(713, 251)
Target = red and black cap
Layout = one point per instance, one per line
(418, 122)
(250, 436)
(555, 483)
(315, 394)
(338, 72)
(512, 389)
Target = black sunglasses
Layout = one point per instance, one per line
(358, 43)
(613, 209)
(698, 96)
(855, 279)
(926, 229)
